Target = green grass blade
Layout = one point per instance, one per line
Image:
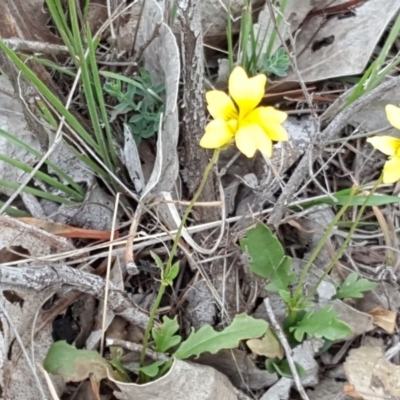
(376, 75)
(51, 65)
(51, 98)
(43, 177)
(57, 171)
(274, 33)
(57, 14)
(14, 212)
(99, 95)
(92, 165)
(36, 192)
(118, 77)
(375, 72)
(229, 37)
(87, 86)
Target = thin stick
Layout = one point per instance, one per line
(107, 283)
(21, 344)
(136, 347)
(286, 347)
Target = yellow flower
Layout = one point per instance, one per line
(390, 146)
(237, 117)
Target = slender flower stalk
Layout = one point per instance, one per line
(172, 253)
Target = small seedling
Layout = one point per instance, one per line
(141, 101)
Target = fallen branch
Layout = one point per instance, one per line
(59, 277)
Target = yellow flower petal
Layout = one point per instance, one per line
(250, 138)
(220, 105)
(245, 143)
(386, 144)
(393, 115)
(276, 132)
(217, 134)
(247, 92)
(391, 170)
(267, 115)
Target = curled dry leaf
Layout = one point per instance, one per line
(268, 346)
(385, 319)
(68, 231)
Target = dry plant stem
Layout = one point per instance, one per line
(137, 348)
(286, 347)
(194, 117)
(28, 46)
(317, 250)
(106, 290)
(39, 277)
(390, 255)
(320, 142)
(23, 349)
(172, 253)
(344, 245)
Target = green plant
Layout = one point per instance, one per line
(76, 365)
(276, 64)
(142, 100)
(268, 260)
(251, 55)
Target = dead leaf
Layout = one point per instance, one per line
(385, 319)
(185, 380)
(68, 231)
(341, 46)
(371, 375)
(268, 346)
(240, 368)
(29, 240)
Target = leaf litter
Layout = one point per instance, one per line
(153, 172)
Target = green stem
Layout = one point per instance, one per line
(274, 33)
(172, 253)
(343, 247)
(299, 287)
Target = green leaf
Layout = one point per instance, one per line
(321, 324)
(359, 199)
(164, 336)
(206, 339)
(282, 276)
(74, 365)
(158, 260)
(172, 274)
(281, 367)
(268, 258)
(150, 370)
(353, 288)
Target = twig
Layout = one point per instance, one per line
(286, 347)
(23, 349)
(321, 140)
(29, 46)
(107, 285)
(56, 277)
(136, 347)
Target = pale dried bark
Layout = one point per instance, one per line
(194, 117)
(61, 277)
